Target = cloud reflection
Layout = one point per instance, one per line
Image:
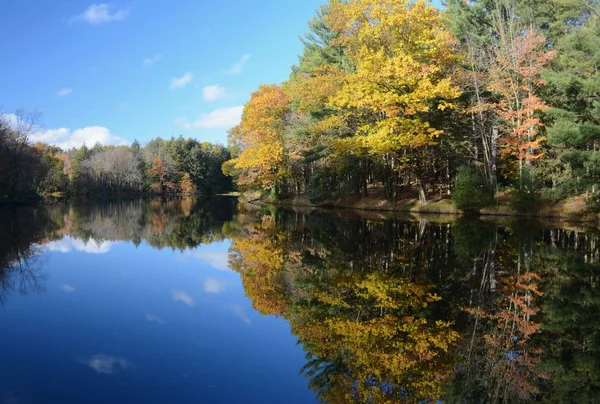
(106, 364)
(68, 244)
(67, 288)
(213, 285)
(239, 313)
(183, 297)
(218, 259)
(155, 319)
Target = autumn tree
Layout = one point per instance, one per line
(262, 158)
(314, 124)
(163, 176)
(516, 78)
(186, 185)
(402, 55)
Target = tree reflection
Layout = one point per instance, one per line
(397, 311)
(387, 311)
(20, 232)
(370, 334)
(175, 224)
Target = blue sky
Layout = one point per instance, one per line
(126, 70)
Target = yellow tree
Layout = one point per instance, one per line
(311, 94)
(261, 159)
(402, 55)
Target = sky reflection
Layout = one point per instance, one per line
(68, 244)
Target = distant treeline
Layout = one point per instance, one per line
(483, 99)
(175, 166)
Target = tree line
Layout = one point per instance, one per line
(176, 166)
(480, 100)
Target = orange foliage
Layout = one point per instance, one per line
(516, 77)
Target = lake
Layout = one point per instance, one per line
(153, 301)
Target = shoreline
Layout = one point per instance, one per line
(51, 199)
(444, 207)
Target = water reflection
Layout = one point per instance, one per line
(28, 232)
(20, 233)
(102, 363)
(68, 244)
(391, 311)
(184, 297)
(386, 311)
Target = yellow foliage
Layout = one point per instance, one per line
(389, 345)
(402, 56)
(313, 92)
(260, 136)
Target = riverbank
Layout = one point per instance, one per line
(573, 209)
(57, 197)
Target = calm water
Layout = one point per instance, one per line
(188, 302)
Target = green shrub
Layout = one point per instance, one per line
(319, 188)
(525, 198)
(469, 190)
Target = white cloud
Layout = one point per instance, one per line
(66, 138)
(151, 60)
(64, 92)
(102, 363)
(213, 285)
(216, 259)
(222, 118)
(183, 297)
(240, 313)
(239, 66)
(11, 119)
(101, 13)
(155, 319)
(68, 244)
(213, 93)
(67, 288)
(180, 82)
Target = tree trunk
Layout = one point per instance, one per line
(422, 195)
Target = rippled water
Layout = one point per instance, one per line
(152, 301)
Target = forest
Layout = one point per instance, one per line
(176, 166)
(483, 102)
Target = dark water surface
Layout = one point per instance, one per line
(211, 302)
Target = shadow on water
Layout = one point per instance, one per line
(386, 310)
